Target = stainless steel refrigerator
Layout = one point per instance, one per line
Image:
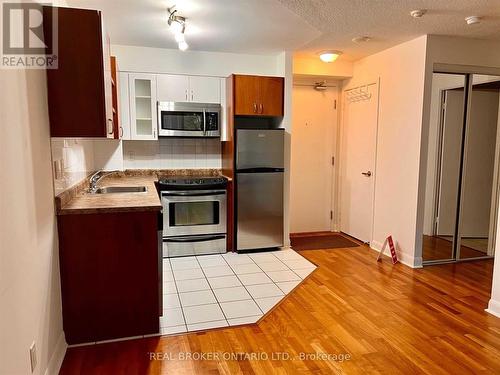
(259, 188)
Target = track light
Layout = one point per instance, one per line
(178, 27)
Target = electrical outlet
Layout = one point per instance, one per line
(33, 356)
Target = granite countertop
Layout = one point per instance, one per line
(85, 203)
(77, 200)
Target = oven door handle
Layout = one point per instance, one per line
(203, 238)
(191, 194)
(204, 123)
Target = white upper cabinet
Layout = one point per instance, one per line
(204, 89)
(172, 88)
(143, 122)
(180, 88)
(124, 105)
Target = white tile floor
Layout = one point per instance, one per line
(213, 291)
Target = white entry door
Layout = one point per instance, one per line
(357, 178)
(312, 147)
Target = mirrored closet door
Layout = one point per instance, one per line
(462, 168)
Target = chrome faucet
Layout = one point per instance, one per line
(95, 178)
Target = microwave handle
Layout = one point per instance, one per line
(191, 194)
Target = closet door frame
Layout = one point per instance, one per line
(456, 246)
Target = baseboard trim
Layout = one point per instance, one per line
(57, 358)
(493, 308)
(407, 260)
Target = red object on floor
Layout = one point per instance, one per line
(393, 250)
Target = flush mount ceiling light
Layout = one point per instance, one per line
(329, 56)
(178, 27)
(417, 13)
(361, 39)
(472, 20)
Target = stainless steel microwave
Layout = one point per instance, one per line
(188, 119)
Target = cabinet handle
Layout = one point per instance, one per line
(186, 95)
(254, 107)
(261, 108)
(121, 131)
(110, 130)
(192, 95)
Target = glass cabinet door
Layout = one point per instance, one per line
(143, 106)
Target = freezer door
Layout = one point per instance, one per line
(256, 148)
(259, 210)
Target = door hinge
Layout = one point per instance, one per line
(333, 161)
(331, 215)
(335, 104)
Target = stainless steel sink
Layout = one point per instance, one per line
(121, 189)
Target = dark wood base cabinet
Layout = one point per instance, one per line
(110, 275)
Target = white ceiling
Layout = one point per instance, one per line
(389, 22)
(241, 26)
(306, 27)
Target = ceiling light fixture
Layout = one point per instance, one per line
(178, 27)
(329, 56)
(472, 20)
(183, 46)
(417, 13)
(361, 39)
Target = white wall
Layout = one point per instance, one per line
(305, 65)
(77, 158)
(285, 69)
(30, 300)
(221, 64)
(401, 70)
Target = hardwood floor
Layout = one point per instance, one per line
(436, 248)
(389, 319)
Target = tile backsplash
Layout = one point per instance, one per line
(172, 153)
(78, 157)
(77, 161)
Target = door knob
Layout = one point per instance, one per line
(367, 174)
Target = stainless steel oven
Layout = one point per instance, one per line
(194, 216)
(176, 119)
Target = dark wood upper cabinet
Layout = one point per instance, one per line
(246, 95)
(271, 94)
(79, 89)
(258, 96)
(117, 128)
